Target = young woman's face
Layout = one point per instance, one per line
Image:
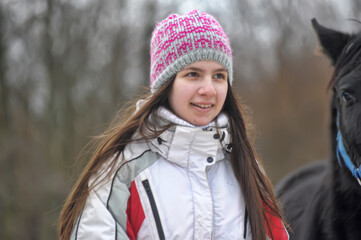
(199, 91)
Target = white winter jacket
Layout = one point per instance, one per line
(178, 186)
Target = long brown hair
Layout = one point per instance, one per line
(254, 184)
(111, 143)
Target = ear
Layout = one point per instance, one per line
(332, 41)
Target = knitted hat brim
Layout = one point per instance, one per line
(192, 57)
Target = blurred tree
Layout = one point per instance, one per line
(3, 87)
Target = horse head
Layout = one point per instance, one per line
(344, 51)
(321, 200)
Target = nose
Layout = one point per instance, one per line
(207, 87)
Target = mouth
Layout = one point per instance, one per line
(203, 106)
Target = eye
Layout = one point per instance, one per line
(348, 98)
(220, 76)
(191, 74)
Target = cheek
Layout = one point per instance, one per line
(351, 123)
(181, 92)
(222, 94)
(178, 96)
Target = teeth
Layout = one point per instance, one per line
(202, 106)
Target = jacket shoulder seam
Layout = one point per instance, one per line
(116, 172)
(77, 225)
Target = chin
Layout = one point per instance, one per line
(200, 122)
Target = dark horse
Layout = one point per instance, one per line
(323, 200)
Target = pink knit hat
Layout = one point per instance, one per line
(180, 40)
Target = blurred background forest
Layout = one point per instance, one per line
(66, 67)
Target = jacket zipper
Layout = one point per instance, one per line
(154, 208)
(245, 224)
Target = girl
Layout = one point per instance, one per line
(181, 165)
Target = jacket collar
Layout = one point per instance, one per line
(184, 139)
(168, 116)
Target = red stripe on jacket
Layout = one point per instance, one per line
(135, 213)
(276, 226)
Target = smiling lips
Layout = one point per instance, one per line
(203, 106)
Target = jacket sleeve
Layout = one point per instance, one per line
(96, 221)
(113, 209)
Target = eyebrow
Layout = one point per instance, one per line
(201, 70)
